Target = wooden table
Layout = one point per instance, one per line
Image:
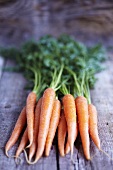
(12, 99)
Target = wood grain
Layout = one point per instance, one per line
(90, 21)
(102, 97)
(16, 22)
(12, 100)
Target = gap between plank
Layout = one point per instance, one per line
(57, 153)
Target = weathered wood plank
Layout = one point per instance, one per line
(21, 20)
(16, 22)
(102, 97)
(12, 99)
(1, 65)
(85, 21)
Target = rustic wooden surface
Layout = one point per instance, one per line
(12, 99)
(90, 21)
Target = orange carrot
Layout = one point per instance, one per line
(17, 130)
(30, 106)
(62, 129)
(67, 149)
(36, 129)
(53, 125)
(93, 129)
(46, 111)
(70, 115)
(83, 122)
(22, 144)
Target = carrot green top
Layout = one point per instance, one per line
(56, 78)
(48, 53)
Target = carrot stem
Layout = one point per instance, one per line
(86, 88)
(64, 89)
(56, 78)
(77, 86)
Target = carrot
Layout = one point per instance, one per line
(62, 128)
(36, 129)
(17, 130)
(67, 149)
(46, 111)
(83, 122)
(93, 129)
(70, 115)
(30, 106)
(22, 144)
(53, 126)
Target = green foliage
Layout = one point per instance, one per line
(49, 53)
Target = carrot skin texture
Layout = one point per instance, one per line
(62, 129)
(83, 122)
(53, 126)
(70, 115)
(67, 149)
(17, 130)
(30, 106)
(33, 147)
(22, 144)
(93, 128)
(46, 111)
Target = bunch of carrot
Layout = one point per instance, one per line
(78, 116)
(60, 98)
(71, 116)
(42, 118)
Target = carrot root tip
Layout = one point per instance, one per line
(18, 160)
(62, 154)
(72, 160)
(106, 154)
(66, 152)
(30, 157)
(6, 152)
(47, 153)
(28, 146)
(93, 156)
(28, 161)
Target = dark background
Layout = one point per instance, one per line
(89, 21)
